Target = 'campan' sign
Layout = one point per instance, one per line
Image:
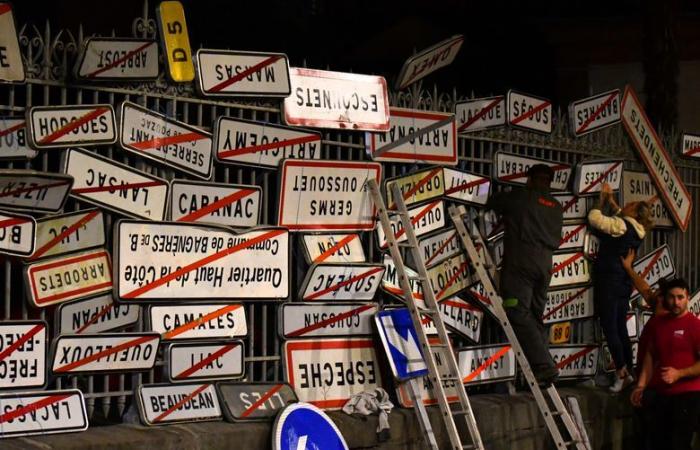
(512, 169)
(425, 386)
(575, 361)
(160, 138)
(390, 282)
(591, 244)
(240, 74)
(529, 113)
(67, 233)
(17, 234)
(438, 246)
(13, 139)
(327, 319)
(100, 353)
(572, 236)
(568, 269)
(323, 99)
(486, 364)
(429, 60)
(416, 187)
(115, 186)
(638, 186)
(690, 145)
(573, 207)
(200, 321)
(591, 175)
(480, 114)
(450, 277)
(655, 265)
(594, 113)
(341, 282)
(254, 401)
(162, 404)
(95, 315)
(425, 218)
(42, 412)
(188, 361)
(462, 317)
(657, 160)
(32, 191)
(327, 372)
(117, 59)
(12, 67)
(415, 136)
(233, 205)
(68, 277)
(568, 304)
(23, 346)
(466, 187)
(341, 248)
(261, 144)
(165, 260)
(326, 195)
(67, 126)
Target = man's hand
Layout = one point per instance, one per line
(606, 190)
(629, 259)
(670, 375)
(636, 397)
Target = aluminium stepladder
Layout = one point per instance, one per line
(484, 267)
(430, 310)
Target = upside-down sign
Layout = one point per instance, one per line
(591, 175)
(340, 281)
(595, 113)
(43, 412)
(429, 60)
(512, 169)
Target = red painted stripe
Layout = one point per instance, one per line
(330, 320)
(222, 351)
(261, 400)
(73, 124)
(486, 363)
(14, 128)
(65, 233)
(335, 287)
(121, 187)
(464, 187)
(441, 248)
(570, 203)
(649, 266)
(67, 294)
(193, 216)
(119, 61)
(19, 342)
(565, 302)
(452, 279)
(515, 176)
(480, 114)
(238, 77)
(689, 152)
(5, 7)
(418, 185)
(575, 356)
(13, 221)
(530, 113)
(600, 178)
(270, 145)
(81, 362)
(24, 410)
(33, 188)
(418, 217)
(195, 323)
(571, 234)
(105, 309)
(167, 140)
(329, 251)
(566, 262)
(597, 112)
(184, 400)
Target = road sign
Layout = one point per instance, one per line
(327, 372)
(480, 114)
(175, 41)
(165, 140)
(591, 175)
(573, 207)
(23, 346)
(415, 136)
(416, 187)
(654, 266)
(341, 282)
(166, 260)
(326, 319)
(42, 412)
(67, 233)
(694, 303)
(594, 113)
(11, 66)
(438, 246)
(117, 59)
(348, 101)
(568, 304)
(450, 277)
(638, 186)
(17, 234)
(400, 341)
(424, 218)
(568, 269)
(575, 361)
(425, 385)
(512, 169)
(591, 244)
(220, 360)
(690, 145)
(233, 205)
(162, 404)
(486, 364)
(429, 60)
(242, 74)
(95, 315)
(466, 187)
(200, 321)
(632, 323)
(34, 191)
(658, 162)
(114, 186)
(390, 281)
(496, 245)
(572, 236)
(608, 364)
(300, 426)
(462, 317)
(68, 277)
(342, 248)
(68, 126)
(560, 333)
(103, 353)
(254, 401)
(528, 112)
(13, 137)
(326, 195)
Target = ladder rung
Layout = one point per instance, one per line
(416, 277)
(440, 345)
(404, 244)
(450, 378)
(428, 312)
(469, 446)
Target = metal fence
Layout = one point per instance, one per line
(49, 57)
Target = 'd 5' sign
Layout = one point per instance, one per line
(175, 40)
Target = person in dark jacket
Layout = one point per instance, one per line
(533, 223)
(612, 285)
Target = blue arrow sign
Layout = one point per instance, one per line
(400, 342)
(301, 426)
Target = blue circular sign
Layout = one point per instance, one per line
(301, 426)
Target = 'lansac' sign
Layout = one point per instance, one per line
(122, 59)
(66, 126)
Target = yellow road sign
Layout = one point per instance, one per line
(560, 333)
(175, 41)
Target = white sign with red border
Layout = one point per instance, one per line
(42, 412)
(32, 191)
(466, 187)
(13, 138)
(575, 361)
(301, 320)
(690, 145)
(568, 304)
(103, 58)
(424, 218)
(67, 233)
(341, 282)
(638, 186)
(162, 404)
(655, 265)
(591, 175)
(200, 321)
(594, 113)
(12, 67)
(241, 74)
(233, 205)
(95, 315)
(341, 248)
(187, 361)
(23, 352)
(429, 60)
(68, 126)
(512, 169)
(528, 112)
(17, 234)
(569, 268)
(480, 114)
(486, 364)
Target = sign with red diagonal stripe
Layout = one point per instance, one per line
(575, 361)
(462, 317)
(424, 384)
(13, 139)
(466, 187)
(591, 245)
(233, 205)
(242, 74)
(12, 67)
(572, 236)
(424, 218)
(594, 113)
(117, 59)
(591, 175)
(694, 303)
(415, 136)
(17, 234)
(68, 277)
(573, 207)
(32, 191)
(197, 321)
(654, 266)
(509, 168)
(450, 277)
(390, 282)
(480, 114)
(486, 364)
(254, 401)
(67, 233)
(186, 361)
(166, 260)
(528, 112)
(114, 186)
(42, 412)
(155, 136)
(429, 60)
(416, 187)
(690, 145)
(341, 282)
(327, 319)
(103, 353)
(72, 125)
(637, 187)
(162, 404)
(326, 195)
(95, 315)
(569, 268)
(656, 158)
(568, 304)
(438, 246)
(23, 346)
(341, 248)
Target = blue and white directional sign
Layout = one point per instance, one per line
(400, 342)
(302, 426)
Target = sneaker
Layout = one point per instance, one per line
(621, 383)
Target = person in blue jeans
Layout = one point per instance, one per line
(619, 233)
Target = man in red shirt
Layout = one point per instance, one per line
(672, 365)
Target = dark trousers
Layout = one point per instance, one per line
(611, 306)
(675, 420)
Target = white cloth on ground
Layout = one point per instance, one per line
(370, 402)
